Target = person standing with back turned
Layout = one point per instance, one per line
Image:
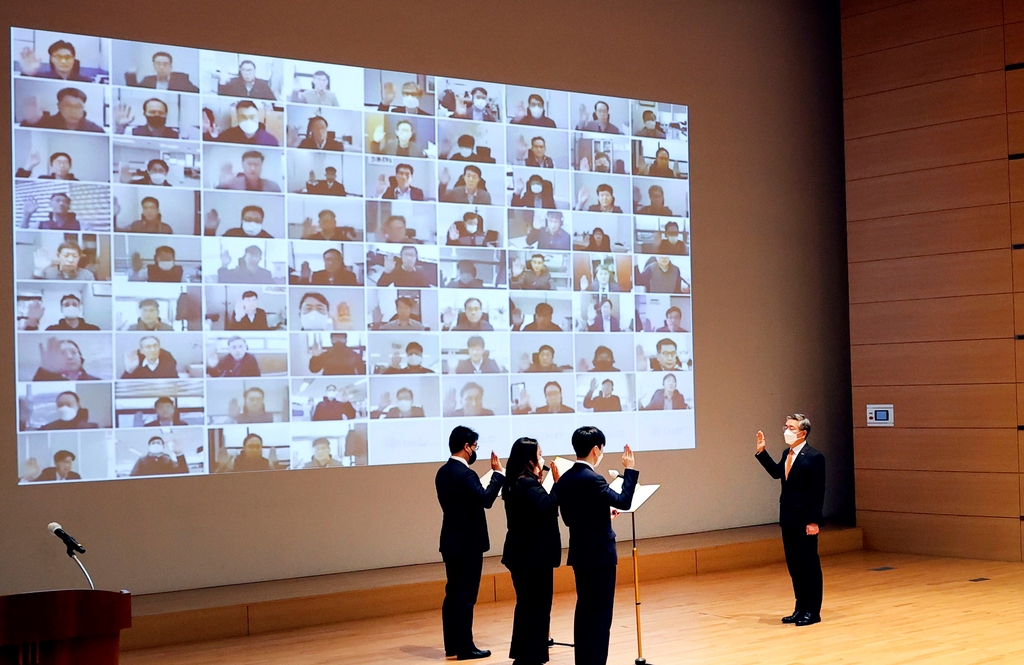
(463, 539)
(802, 472)
(586, 502)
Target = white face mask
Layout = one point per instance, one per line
(156, 449)
(165, 265)
(249, 127)
(71, 312)
(66, 413)
(536, 111)
(600, 456)
(411, 102)
(790, 436)
(405, 405)
(536, 188)
(315, 320)
(479, 103)
(650, 124)
(414, 360)
(471, 228)
(465, 152)
(331, 394)
(157, 178)
(251, 228)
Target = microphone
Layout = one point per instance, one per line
(70, 542)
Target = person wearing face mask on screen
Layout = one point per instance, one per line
(672, 244)
(402, 409)
(465, 150)
(475, 107)
(157, 462)
(249, 129)
(412, 94)
(413, 361)
(154, 111)
(801, 469)
(534, 114)
(251, 225)
(463, 538)
(335, 405)
(71, 308)
(70, 414)
(314, 312)
(651, 128)
(156, 174)
(322, 458)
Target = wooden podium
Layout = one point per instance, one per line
(71, 626)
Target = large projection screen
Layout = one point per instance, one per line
(232, 262)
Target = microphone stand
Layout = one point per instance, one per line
(71, 553)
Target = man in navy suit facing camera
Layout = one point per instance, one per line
(802, 472)
(586, 502)
(463, 538)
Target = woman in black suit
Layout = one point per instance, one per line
(533, 549)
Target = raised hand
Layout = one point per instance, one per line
(390, 263)
(628, 461)
(517, 267)
(317, 349)
(449, 401)
(538, 221)
(50, 357)
(524, 399)
(641, 358)
(760, 441)
(522, 150)
(584, 164)
(31, 110)
(212, 222)
(584, 365)
(33, 313)
(520, 112)
(453, 232)
(387, 93)
(382, 184)
(585, 286)
(593, 385)
(123, 117)
(385, 400)
(307, 227)
(131, 361)
(462, 106)
(30, 62)
(582, 197)
(41, 260)
(377, 316)
(448, 319)
(517, 317)
(212, 358)
(239, 310)
(31, 205)
(225, 258)
(378, 133)
(32, 161)
(583, 114)
(524, 362)
(520, 186)
(444, 177)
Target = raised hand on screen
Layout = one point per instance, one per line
(382, 184)
(524, 400)
(760, 441)
(117, 208)
(31, 111)
(137, 263)
(305, 272)
(584, 283)
(316, 349)
(30, 471)
(31, 205)
(593, 385)
(517, 317)
(30, 62)
(212, 358)
(448, 318)
(307, 227)
(444, 177)
(518, 267)
(584, 164)
(387, 93)
(131, 361)
(582, 197)
(462, 105)
(41, 260)
(583, 365)
(524, 362)
(591, 313)
(377, 317)
(385, 400)
(539, 221)
(449, 401)
(453, 232)
(176, 447)
(50, 356)
(227, 173)
(520, 186)
(123, 116)
(628, 461)
(522, 150)
(641, 358)
(520, 112)
(390, 263)
(583, 115)
(378, 133)
(33, 313)
(212, 222)
(225, 258)
(239, 310)
(33, 160)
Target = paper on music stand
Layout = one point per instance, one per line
(485, 479)
(640, 494)
(560, 463)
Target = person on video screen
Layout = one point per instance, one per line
(155, 112)
(660, 168)
(403, 318)
(477, 106)
(535, 193)
(71, 310)
(335, 271)
(63, 460)
(70, 414)
(412, 98)
(599, 241)
(662, 276)
(405, 273)
(603, 281)
(552, 401)
(157, 462)
(403, 406)
(149, 317)
(604, 361)
(472, 317)
(542, 322)
(605, 199)
(667, 398)
(61, 360)
(322, 458)
(320, 94)
(245, 84)
(603, 319)
(166, 414)
(248, 270)
(469, 232)
(465, 151)
(155, 174)
(469, 188)
(537, 278)
(164, 267)
(64, 63)
(600, 120)
(667, 358)
(248, 128)
(251, 225)
(150, 361)
(478, 361)
(537, 156)
(399, 186)
(60, 167)
(251, 178)
(251, 458)
(602, 401)
(329, 186)
(337, 359)
(237, 362)
(396, 229)
(60, 217)
(544, 361)
(672, 244)
(336, 405)
(657, 205)
(651, 129)
(164, 78)
(68, 257)
(413, 360)
(673, 319)
(318, 138)
(315, 312)
(247, 314)
(402, 144)
(254, 408)
(472, 402)
(70, 113)
(534, 114)
(151, 221)
(547, 232)
(327, 221)
(467, 278)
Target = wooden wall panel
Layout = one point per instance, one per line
(966, 229)
(969, 317)
(922, 105)
(991, 450)
(948, 144)
(960, 186)
(1013, 34)
(958, 406)
(935, 363)
(1015, 133)
(995, 538)
(969, 273)
(934, 60)
(939, 492)
(850, 8)
(1013, 10)
(1015, 90)
(1016, 179)
(917, 21)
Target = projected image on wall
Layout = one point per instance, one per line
(219, 256)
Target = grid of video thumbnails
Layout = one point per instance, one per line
(229, 262)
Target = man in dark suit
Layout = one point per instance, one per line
(164, 79)
(477, 362)
(61, 469)
(463, 538)
(802, 472)
(246, 84)
(399, 186)
(586, 502)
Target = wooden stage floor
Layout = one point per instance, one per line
(924, 610)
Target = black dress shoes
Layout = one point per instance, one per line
(807, 619)
(474, 654)
(794, 617)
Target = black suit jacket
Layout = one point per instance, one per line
(532, 516)
(50, 474)
(585, 500)
(179, 82)
(803, 493)
(463, 500)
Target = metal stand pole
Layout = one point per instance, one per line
(640, 660)
(84, 571)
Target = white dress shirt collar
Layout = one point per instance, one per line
(461, 459)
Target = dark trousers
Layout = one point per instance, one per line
(592, 623)
(804, 568)
(460, 592)
(532, 620)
